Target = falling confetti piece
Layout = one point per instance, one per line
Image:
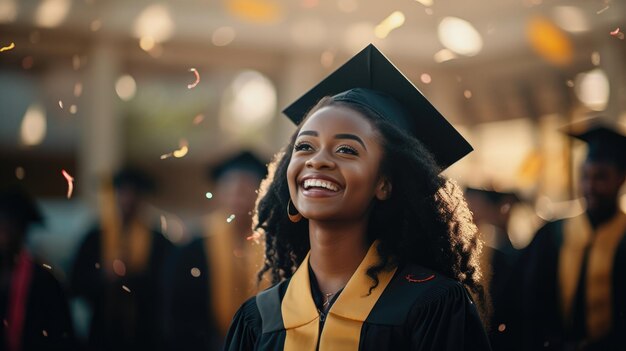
(467, 94)
(44, 332)
(198, 119)
(61, 104)
(230, 218)
(195, 72)
(209, 195)
(70, 183)
(97, 265)
(119, 268)
(6, 323)
(73, 109)
(163, 224)
(616, 33)
(425, 78)
(602, 10)
(7, 48)
(595, 58)
(570, 83)
(20, 173)
(78, 89)
(47, 266)
(181, 152)
(195, 272)
(125, 288)
(502, 327)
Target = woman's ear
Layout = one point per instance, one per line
(383, 189)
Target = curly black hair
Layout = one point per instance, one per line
(425, 220)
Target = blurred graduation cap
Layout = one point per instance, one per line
(134, 178)
(606, 140)
(17, 205)
(244, 161)
(370, 80)
(493, 196)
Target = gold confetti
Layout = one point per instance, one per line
(73, 109)
(195, 272)
(47, 266)
(616, 33)
(181, 152)
(502, 327)
(195, 72)
(125, 288)
(425, 78)
(97, 265)
(61, 104)
(8, 47)
(70, 183)
(467, 94)
(119, 268)
(44, 332)
(20, 173)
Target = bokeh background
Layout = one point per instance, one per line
(90, 85)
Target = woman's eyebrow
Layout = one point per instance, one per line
(308, 132)
(352, 137)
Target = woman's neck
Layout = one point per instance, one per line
(336, 252)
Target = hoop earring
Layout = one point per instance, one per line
(293, 217)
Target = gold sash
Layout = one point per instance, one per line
(233, 273)
(578, 233)
(342, 329)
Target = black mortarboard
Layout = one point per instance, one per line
(134, 178)
(606, 141)
(370, 80)
(17, 205)
(243, 161)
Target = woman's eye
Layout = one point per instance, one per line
(303, 147)
(345, 149)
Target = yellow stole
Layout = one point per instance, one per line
(342, 328)
(233, 270)
(131, 246)
(577, 234)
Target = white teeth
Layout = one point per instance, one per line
(318, 183)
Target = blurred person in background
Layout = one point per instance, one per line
(33, 305)
(575, 268)
(491, 212)
(119, 267)
(215, 273)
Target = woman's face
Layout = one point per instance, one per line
(334, 172)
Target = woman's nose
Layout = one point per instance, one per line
(320, 160)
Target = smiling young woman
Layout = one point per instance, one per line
(369, 246)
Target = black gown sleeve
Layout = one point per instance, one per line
(86, 278)
(245, 329)
(448, 321)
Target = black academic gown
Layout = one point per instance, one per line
(47, 324)
(190, 324)
(122, 319)
(543, 322)
(413, 308)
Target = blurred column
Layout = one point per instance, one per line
(299, 74)
(612, 58)
(101, 134)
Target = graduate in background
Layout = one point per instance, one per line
(119, 268)
(369, 246)
(214, 274)
(575, 268)
(33, 305)
(491, 212)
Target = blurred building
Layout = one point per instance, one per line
(168, 85)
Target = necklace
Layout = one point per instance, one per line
(327, 299)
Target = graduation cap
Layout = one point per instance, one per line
(17, 205)
(606, 140)
(134, 178)
(243, 161)
(493, 196)
(370, 80)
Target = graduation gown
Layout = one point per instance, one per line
(127, 312)
(200, 307)
(44, 318)
(412, 308)
(575, 286)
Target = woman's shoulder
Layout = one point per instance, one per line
(415, 287)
